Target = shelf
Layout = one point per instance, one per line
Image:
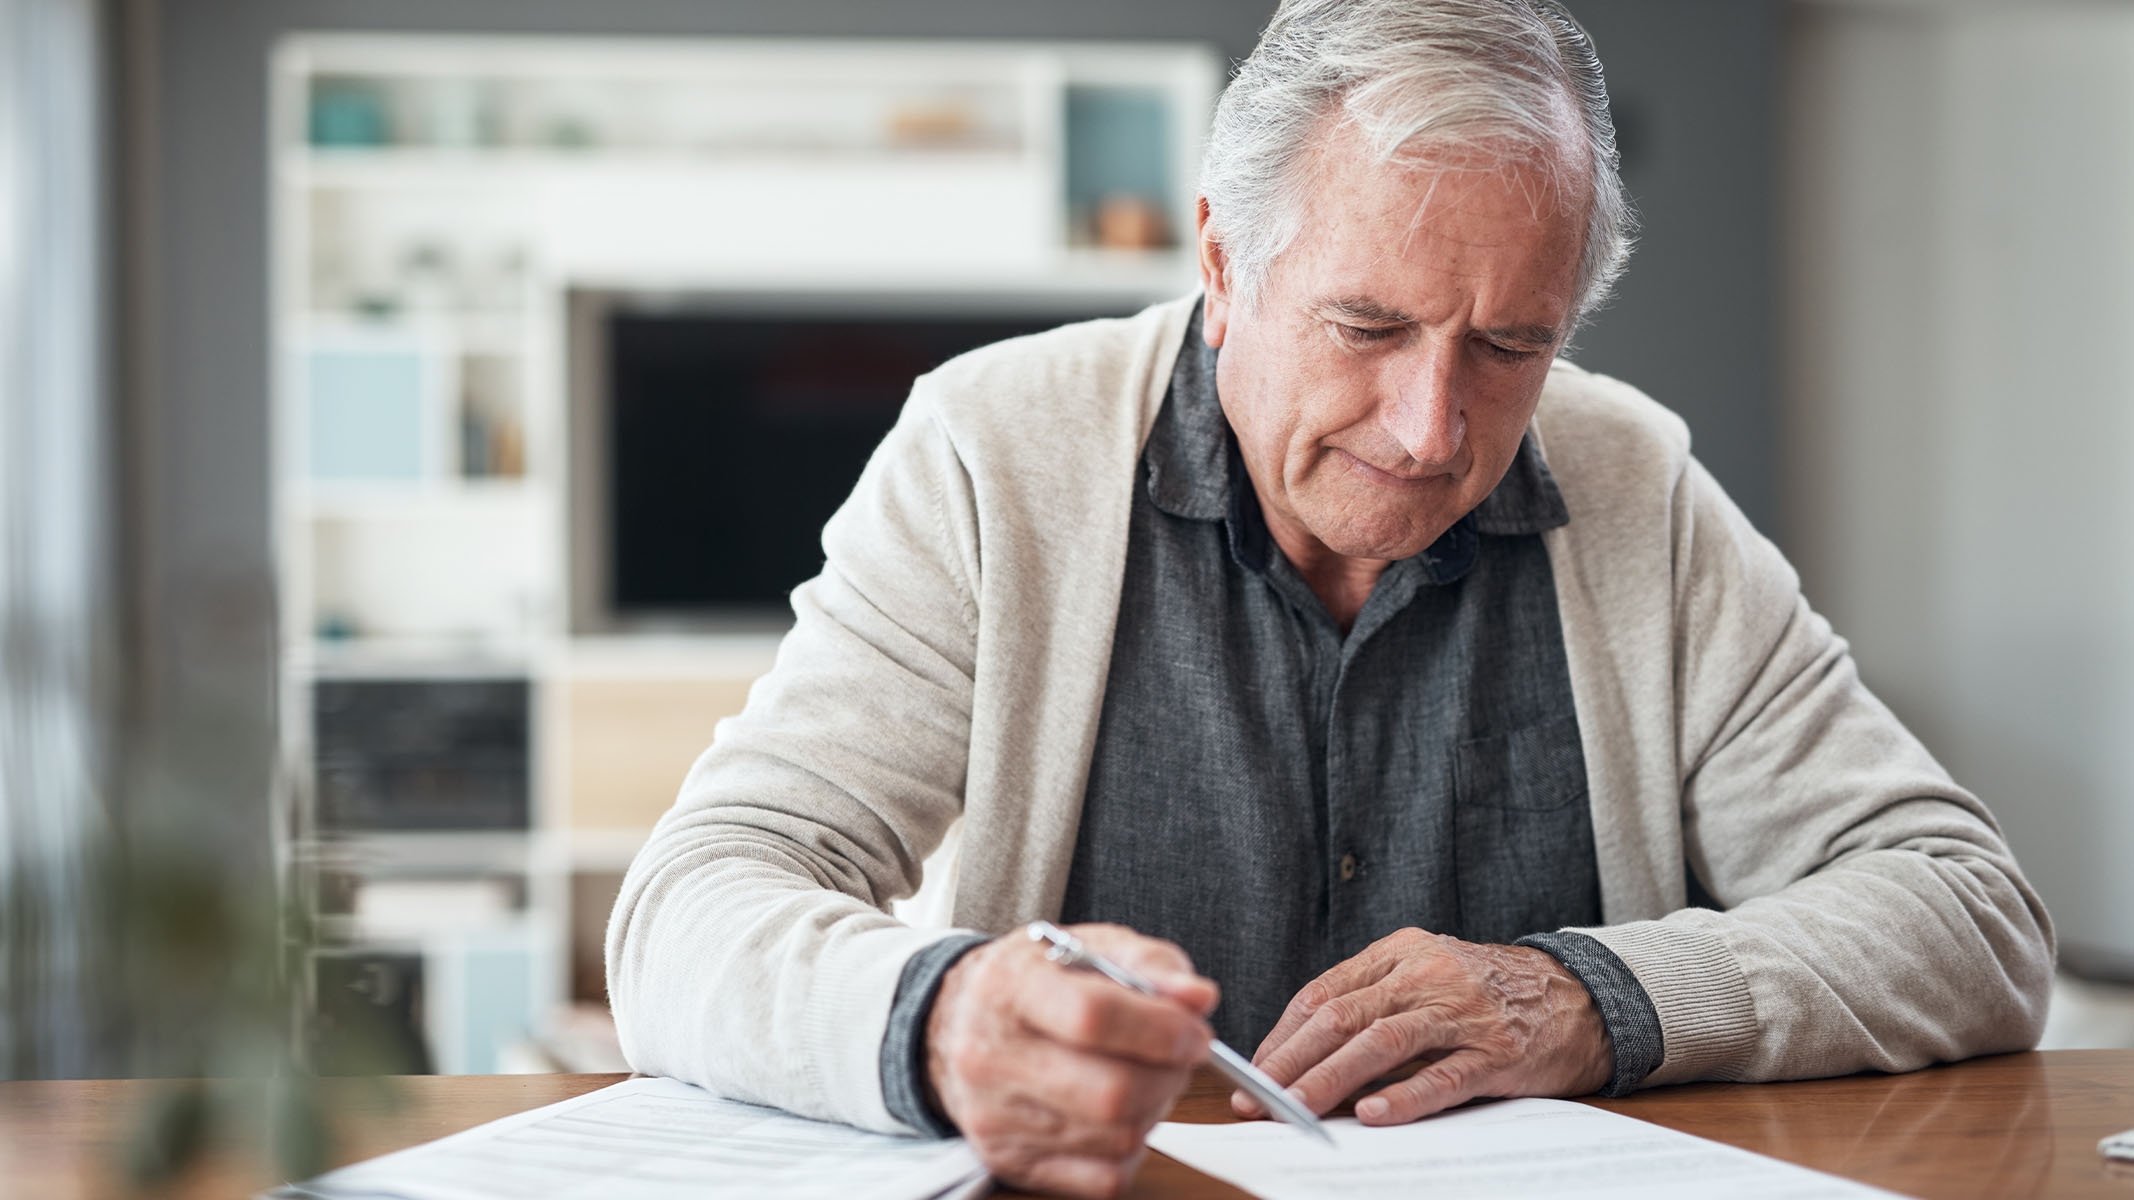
(502, 850)
(444, 330)
(503, 169)
(743, 653)
(410, 658)
(344, 931)
(428, 273)
(350, 500)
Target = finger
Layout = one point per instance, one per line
(1096, 1015)
(1123, 945)
(1381, 1047)
(1330, 1027)
(1349, 975)
(1164, 964)
(1079, 1175)
(1447, 1083)
(1086, 1099)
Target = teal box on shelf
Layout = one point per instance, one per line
(366, 414)
(1118, 144)
(348, 112)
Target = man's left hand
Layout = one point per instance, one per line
(1485, 1020)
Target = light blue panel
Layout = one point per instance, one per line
(497, 1004)
(1118, 140)
(366, 413)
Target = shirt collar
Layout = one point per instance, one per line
(1195, 472)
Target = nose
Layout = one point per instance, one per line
(1424, 414)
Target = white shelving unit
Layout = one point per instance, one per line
(436, 201)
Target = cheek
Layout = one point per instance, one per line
(1499, 419)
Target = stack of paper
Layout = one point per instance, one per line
(1513, 1148)
(655, 1139)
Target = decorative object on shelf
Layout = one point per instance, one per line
(335, 626)
(492, 436)
(1129, 222)
(950, 123)
(457, 114)
(429, 279)
(348, 113)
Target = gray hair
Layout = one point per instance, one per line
(1421, 80)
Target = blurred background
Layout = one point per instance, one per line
(412, 415)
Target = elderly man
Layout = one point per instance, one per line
(1327, 633)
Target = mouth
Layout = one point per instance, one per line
(1412, 476)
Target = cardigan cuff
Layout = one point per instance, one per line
(1633, 1025)
(904, 1039)
(1707, 1015)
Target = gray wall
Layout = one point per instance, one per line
(1695, 86)
(1961, 274)
(1695, 83)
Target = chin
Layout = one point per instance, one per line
(1388, 539)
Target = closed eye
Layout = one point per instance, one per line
(1364, 335)
(1508, 354)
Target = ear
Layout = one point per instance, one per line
(1214, 281)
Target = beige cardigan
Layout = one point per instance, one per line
(950, 662)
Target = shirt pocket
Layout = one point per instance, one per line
(1541, 768)
(1523, 833)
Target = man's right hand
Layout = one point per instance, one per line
(1056, 1076)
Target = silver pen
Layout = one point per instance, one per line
(1067, 950)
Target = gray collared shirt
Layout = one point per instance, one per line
(1274, 794)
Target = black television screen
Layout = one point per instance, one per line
(733, 434)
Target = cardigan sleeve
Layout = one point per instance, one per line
(751, 950)
(1871, 917)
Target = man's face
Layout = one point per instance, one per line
(1380, 385)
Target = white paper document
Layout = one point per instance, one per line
(1511, 1148)
(656, 1139)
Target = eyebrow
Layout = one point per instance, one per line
(1523, 335)
(1362, 308)
(1358, 308)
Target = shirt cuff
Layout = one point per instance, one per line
(1626, 1010)
(904, 1041)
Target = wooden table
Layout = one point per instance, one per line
(2015, 1125)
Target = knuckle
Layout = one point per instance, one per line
(1315, 996)
(1345, 1015)
(1457, 1075)
(1384, 1036)
(1165, 1040)
(1170, 953)
(1111, 1099)
(1081, 1018)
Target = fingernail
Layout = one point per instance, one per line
(1373, 1109)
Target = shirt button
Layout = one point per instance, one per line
(1348, 867)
